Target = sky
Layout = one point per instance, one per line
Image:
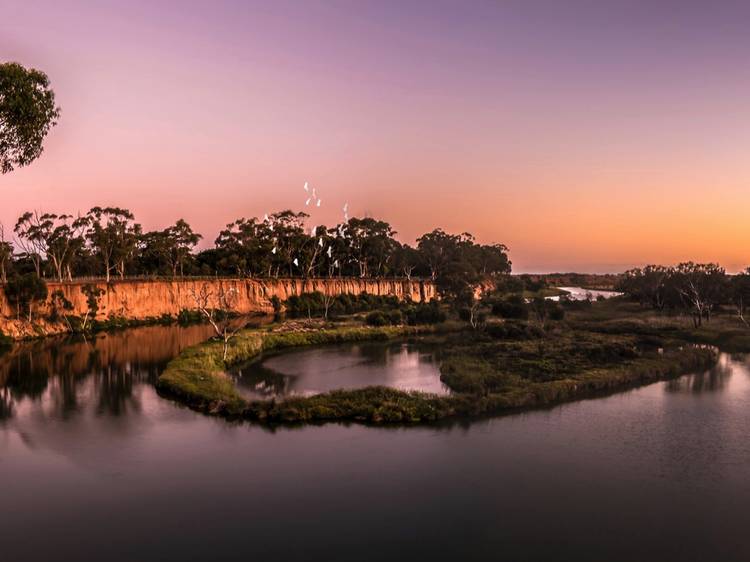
(585, 135)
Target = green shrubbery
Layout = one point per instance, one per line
(314, 304)
(513, 330)
(424, 313)
(513, 307)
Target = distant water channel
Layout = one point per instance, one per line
(581, 294)
(94, 465)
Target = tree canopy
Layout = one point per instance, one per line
(27, 112)
(109, 241)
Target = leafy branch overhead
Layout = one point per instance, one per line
(27, 112)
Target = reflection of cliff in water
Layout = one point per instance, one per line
(62, 375)
(713, 380)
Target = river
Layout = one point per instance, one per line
(95, 466)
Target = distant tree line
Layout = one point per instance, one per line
(697, 289)
(108, 242)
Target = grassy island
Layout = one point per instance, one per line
(504, 366)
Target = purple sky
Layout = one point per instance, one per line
(587, 135)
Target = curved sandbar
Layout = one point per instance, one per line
(197, 379)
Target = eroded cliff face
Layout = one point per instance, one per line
(139, 300)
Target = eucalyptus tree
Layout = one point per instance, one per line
(245, 247)
(438, 249)
(739, 291)
(179, 240)
(701, 286)
(112, 234)
(649, 285)
(27, 112)
(406, 260)
(371, 245)
(30, 240)
(52, 238)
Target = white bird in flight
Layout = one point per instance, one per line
(296, 262)
(329, 251)
(306, 188)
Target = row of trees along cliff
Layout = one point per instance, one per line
(109, 242)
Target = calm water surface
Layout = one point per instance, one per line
(580, 294)
(406, 366)
(95, 466)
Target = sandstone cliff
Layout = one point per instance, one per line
(139, 300)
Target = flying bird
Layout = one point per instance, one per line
(318, 204)
(296, 262)
(308, 200)
(306, 188)
(329, 252)
(320, 242)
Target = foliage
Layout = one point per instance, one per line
(313, 304)
(513, 330)
(24, 292)
(487, 376)
(424, 313)
(27, 112)
(376, 318)
(693, 288)
(109, 241)
(513, 306)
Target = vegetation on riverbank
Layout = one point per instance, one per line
(197, 376)
(489, 371)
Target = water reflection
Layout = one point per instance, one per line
(64, 376)
(406, 366)
(714, 379)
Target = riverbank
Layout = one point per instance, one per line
(486, 376)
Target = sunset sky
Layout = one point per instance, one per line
(585, 135)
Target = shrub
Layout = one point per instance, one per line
(556, 312)
(422, 313)
(313, 304)
(513, 330)
(513, 306)
(376, 318)
(187, 316)
(395, 317)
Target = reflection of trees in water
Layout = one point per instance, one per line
(59, 371)
(712, 380)
(264, 382)
(114, 391)
(28, 376)
(6, 404)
